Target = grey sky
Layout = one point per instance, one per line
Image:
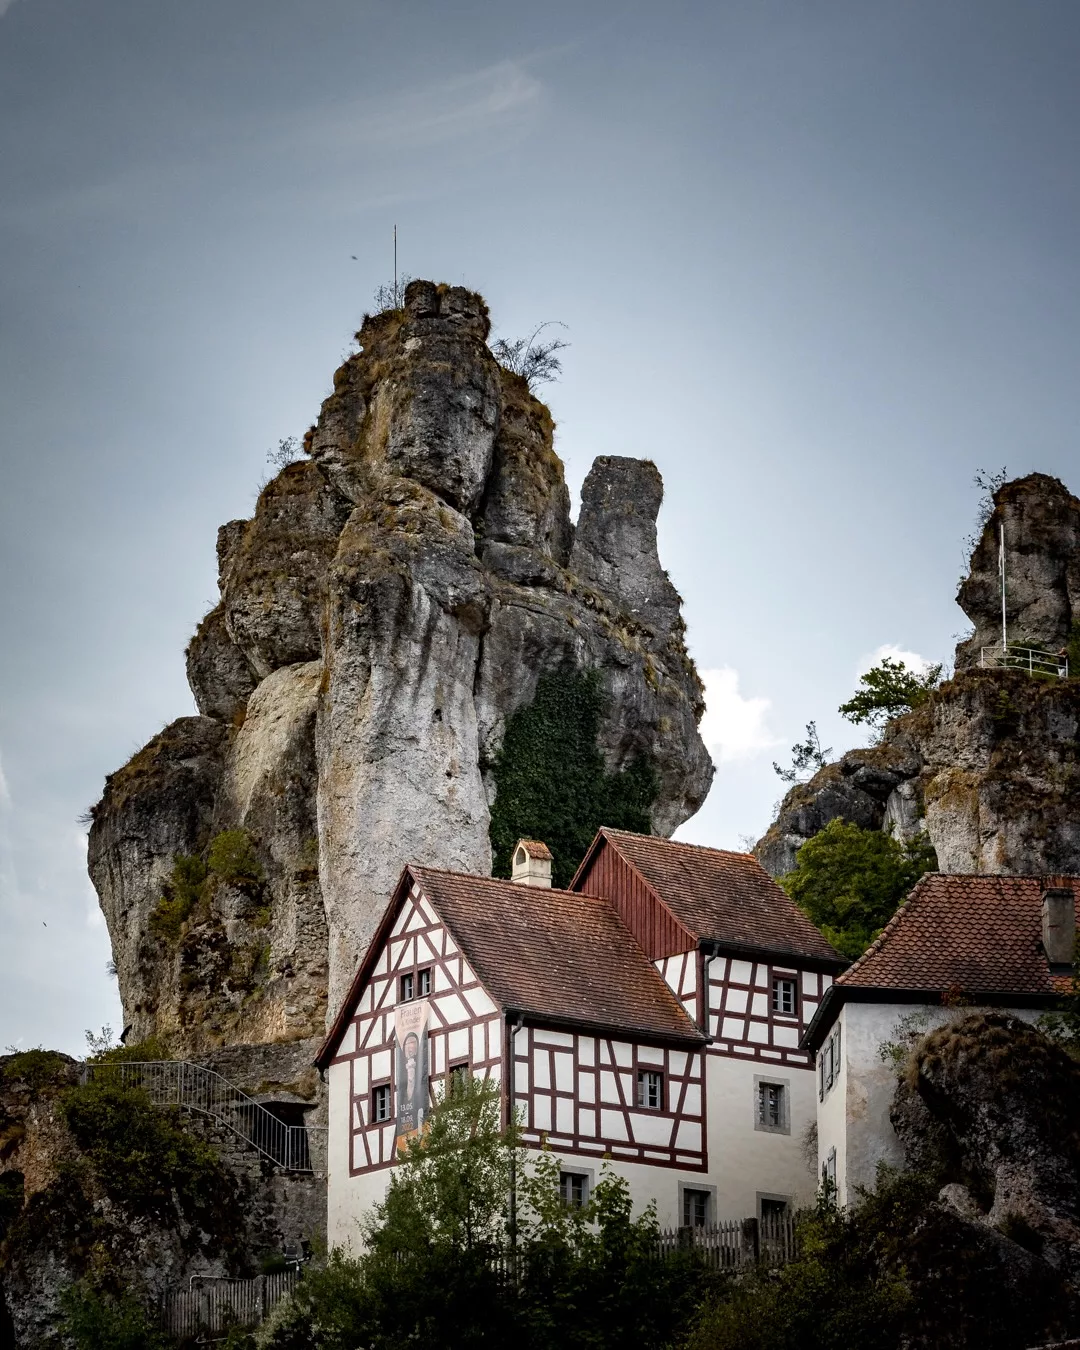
(819, 261)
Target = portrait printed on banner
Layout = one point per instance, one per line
(411, 1069)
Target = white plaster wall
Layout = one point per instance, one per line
(744, 1161)
(854, 1117)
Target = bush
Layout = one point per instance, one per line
(37, 1068)
(233, 858)
(148, 1164)
(97, 1321)
(182, 893)
(850, 881)
(550, 779)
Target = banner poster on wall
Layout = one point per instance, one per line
(411, 1069)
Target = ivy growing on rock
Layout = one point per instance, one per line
(551, 782)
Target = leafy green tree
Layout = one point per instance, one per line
(550, 779)
(889, 690)
(849, 881)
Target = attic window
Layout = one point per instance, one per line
(783, 996)
(650, 1089)
(521, 857)
(423, 978)
(408, 987)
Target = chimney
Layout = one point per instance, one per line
(1058, 922)
(532, 864)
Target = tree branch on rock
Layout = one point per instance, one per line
(806, 757)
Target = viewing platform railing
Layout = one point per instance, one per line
(1031, 659)
(171, 1082)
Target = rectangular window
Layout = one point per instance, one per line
(828, 1173)
(407, 988)
(650, 1089)
(829, 1064)
(783, 996)
(695, 1208)
(771, 1105)
(380, 1104)
(574, 1189)
(458, 1077)
(424, 979)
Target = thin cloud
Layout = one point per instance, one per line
(5, 5)
(5, 791)
(734, 728)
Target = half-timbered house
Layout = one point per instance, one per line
(649, 1016)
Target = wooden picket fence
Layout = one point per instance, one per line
(210, 1307)
(737, 1242)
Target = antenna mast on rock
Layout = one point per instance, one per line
(397, 302)
(1001, 570)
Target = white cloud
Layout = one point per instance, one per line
(912, 660)
(733, 727)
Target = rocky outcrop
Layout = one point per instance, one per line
(395, 598)
(989, 766)
(989, 1108)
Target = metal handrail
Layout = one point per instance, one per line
(176, 1082)
(1032, 659)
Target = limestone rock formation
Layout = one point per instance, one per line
(989, 766)
(395, 598)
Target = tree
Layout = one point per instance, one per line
(391, 294)
(890, 689)
(849, 881)
(806, 757)
(536, 362)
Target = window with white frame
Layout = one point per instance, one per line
(380, 1104)
(828, 1173)
(829, 1063)
(408, 987)
(423, 980)
(784, 996)
(574, 1189)
(650, 1089)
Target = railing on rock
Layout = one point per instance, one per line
(1032, 659)
(211, 1306)
(737, 1243)
(171, 1082)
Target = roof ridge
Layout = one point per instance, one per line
(893, 922)
(681, 843)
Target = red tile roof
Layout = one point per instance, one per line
(974, 933)
(556, 954)
(720, 896)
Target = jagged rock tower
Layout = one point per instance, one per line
(395, 598)
(990, 765)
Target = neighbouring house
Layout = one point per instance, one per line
(652, 1015)
(958, 944)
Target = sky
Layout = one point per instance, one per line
(820, 262)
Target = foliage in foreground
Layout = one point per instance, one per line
(93, 1320)
(850, 881)
(888, 690)
(436, 1270)
(550, 778)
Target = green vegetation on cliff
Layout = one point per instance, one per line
(550, 779)
(849, 881)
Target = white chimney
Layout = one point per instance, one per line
(532, 864)
(1058, 924)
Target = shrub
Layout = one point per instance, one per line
(148, 1163)
(37, 1067)
(94, 1320)
(849, 881)
(184, 889)
(550, 779)
(233, 858)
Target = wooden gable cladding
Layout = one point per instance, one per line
(578, 1093)
(606, 873)
(465, 1025)
(742, 1020)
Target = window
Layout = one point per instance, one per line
(650, 1089)
(772, 1208)
(829, 1064)
(828, 1173)
(771, 1105)
(458, 1077)
(574, 1189)
(380, 1103)
(783, 995)
(695, 1208)
(407, 988)
(424, 980)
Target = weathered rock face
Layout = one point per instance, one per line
(990, 765)
(989, 1107)
(395, 598)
